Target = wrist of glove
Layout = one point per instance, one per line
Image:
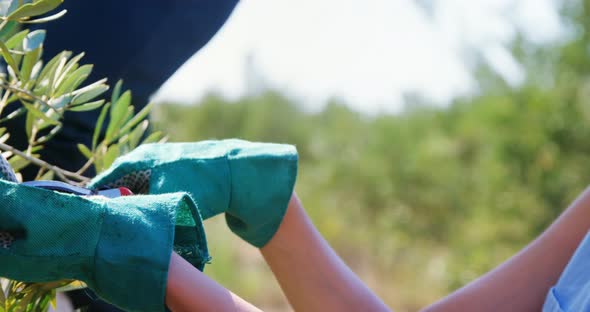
(119, 247)
(250, 182)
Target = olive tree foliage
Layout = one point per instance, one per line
(42, 89)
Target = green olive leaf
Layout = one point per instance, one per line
(87, 106)
(9, 59)
(33, 40)
(118, 113)
(85, 150)
(90, 94)
(34, 9)
(17, 39)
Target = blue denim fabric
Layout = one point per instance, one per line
(572, 291)
(140, 41)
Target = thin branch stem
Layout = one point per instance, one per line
(17, 52)
(29, 94)
(32, 140)
(4, 22)
(86, 165)
(65, 175)
(19, 112)
(4, 101)
(46, 138)
(40, 173)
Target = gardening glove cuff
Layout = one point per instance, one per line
(262, 180)
(135, 245)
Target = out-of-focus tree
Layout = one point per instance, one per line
(445, 193)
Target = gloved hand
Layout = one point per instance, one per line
(251, 182)
(119, 247)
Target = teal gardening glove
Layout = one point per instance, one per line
(119, 247)
(250, 182)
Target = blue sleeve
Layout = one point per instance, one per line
(572, 291)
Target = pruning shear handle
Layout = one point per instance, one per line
(77, 190)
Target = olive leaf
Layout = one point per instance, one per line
(34, 9)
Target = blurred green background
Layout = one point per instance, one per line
(421, 202)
